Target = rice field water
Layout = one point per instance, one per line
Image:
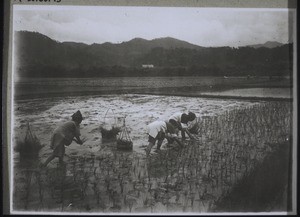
(188, 179)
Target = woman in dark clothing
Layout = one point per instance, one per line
(63, 136)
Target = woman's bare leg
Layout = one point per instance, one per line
(149, 147)
(159, 142)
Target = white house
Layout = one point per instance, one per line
(148, 66)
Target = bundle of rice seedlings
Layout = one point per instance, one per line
(111, 133)
(29, 147)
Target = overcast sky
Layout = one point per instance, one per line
(200, 26)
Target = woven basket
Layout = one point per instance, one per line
(109, 133)
(124, 144)
(124, 141)
(28, 148)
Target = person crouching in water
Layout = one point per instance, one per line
(181, 120)
(63, 136)
(158, 131)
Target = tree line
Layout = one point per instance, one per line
(39, 56)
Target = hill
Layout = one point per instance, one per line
(268, 44)
(39, 56)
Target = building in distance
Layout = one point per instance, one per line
(147, 66)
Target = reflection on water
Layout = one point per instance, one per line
(38, 87)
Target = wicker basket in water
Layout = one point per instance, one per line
(109, 131)
(110, 134)
(28, 148)
(124, 144)
(124, 141)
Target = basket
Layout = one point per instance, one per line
(124, 144)
(109, 133)
(28, 148)
(124, 141)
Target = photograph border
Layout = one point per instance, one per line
(7, 88)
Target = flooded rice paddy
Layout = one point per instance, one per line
(233, 137)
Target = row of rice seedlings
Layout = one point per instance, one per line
(81, 170)
(30, 189)
(28, 185)
(239, 123)
(236, 150)
(141, 177)
(240, 149)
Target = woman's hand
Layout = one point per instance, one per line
(83, 140)
(189, 134)
(79, 141)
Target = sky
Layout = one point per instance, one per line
(208, 27)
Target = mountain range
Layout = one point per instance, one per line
(268, 44)
(40, 56)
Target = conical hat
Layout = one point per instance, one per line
(77, 116)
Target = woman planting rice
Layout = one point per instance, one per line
(64, 135)
(181, 120)
(158, 131)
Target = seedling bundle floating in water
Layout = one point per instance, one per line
(29, 148)
(109, 130)
(124, 141)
